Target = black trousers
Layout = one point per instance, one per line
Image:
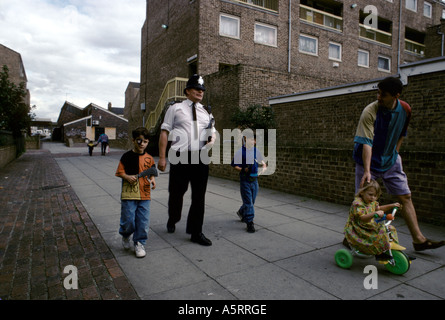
(180, 177)
(103, 147)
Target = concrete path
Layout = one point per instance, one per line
(291, 256)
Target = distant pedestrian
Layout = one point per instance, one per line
(138, 170)
(362, 232)
(91, 146)
(247, 161)
(103, 140)
(382, 127)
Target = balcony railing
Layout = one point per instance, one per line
(414, 47)
(321, 18)
(265, 4)
(376, 35)
(173, 91)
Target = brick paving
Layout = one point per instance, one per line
(44, 228)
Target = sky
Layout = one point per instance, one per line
(81, 51)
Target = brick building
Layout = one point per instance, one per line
(17, 74)
(249, 50)
(10, 148)
(132, 110)
(315, 135)
(89, 123)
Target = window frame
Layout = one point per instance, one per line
(307, 52)
(264, 25)
(340, 51)
(234, 18)
(389, 63)
(415, 5)
(367, 58)
(427, 4)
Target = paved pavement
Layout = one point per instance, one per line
(291, 256)
(44, 228)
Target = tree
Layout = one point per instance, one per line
(254, 117)
(14, 112)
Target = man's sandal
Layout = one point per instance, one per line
(428, 244)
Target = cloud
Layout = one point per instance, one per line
(82, 51)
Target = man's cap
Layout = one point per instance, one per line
(195, 82)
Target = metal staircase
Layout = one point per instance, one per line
(173, 92)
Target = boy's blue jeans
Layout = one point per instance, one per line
(135, 218)
(249, 190)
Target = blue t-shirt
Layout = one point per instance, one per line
(381, 129)
(244, 158)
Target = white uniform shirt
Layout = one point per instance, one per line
(178, 121)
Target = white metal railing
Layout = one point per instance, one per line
(321, 18)
(414, 47)
(264, 4)
(375, 35)
(173, 90)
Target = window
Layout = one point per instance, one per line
(267, 4)
(22, 71)
(229, 26)
(363, 58)
(334, 51)
(427, 10)
(308, 45)
(411, 5)
(384, 64)
(414, 41)
(265, 34)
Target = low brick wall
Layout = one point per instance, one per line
(7, 154)
(33, 143)
(328, 175)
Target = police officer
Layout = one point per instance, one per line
(186, 124)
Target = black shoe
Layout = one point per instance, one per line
(428, 244)
(240, 215)
(250, 227)
(383, 257)
(201, 239)
(171, 229)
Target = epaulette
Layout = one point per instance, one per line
(208, 108)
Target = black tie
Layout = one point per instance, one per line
(195, 122)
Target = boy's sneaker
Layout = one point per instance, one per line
(250, 227)
(240, 215)
(139, 250)
(126, 243)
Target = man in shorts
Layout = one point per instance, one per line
(383, 125)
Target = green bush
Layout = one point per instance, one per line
(254, 117)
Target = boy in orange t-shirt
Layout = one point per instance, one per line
(138, 170)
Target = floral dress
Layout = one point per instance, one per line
(367, 237)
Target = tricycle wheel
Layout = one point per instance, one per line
(343, 258)
(401, 264)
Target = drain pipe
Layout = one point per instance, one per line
(439, 32)
(399, 36)
(290, 37)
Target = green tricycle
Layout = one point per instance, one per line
(398, 264)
